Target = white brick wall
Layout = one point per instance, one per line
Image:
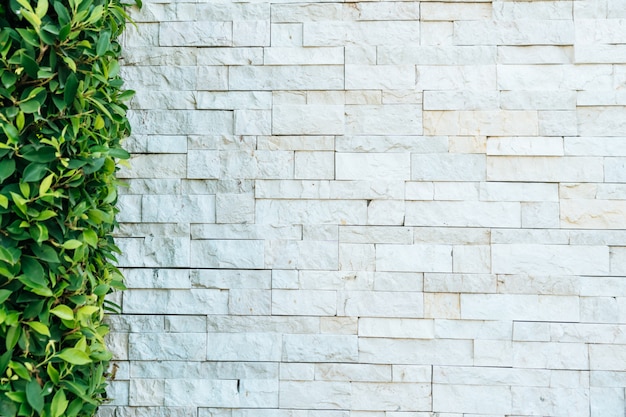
(374, 209)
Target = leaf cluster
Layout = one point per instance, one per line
(62, 118)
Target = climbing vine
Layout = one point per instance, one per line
(62, 118)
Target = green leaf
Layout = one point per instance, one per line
(71, 244)
(4, 201)
(19, 121)
(30, 65)
(71, 86)
(7, 168)
(9, 255)
(119, 153)
(74, 356)
(34, 395)
(7, 407)
(42, 8)
(91, 238)
(59, 404)
(19, 201)
(39, 328)
(34, 172)
(103, 43)
(45, 215)
(46, 184)
(29, 36)
(8, 79)
(4, 295)
(52, 373)
(45, 253)
(13, 335)
(10, 131)
(30, 106)
(34, 271)
(63, 312)
(40, 154)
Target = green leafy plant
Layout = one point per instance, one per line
(62, 118)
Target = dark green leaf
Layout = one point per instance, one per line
(8, 79)
(7, 168)
(29, 35)
(30, 65)
(34, 172)
(4, 294)
(45, 253)
(34, 395)
(71, 86)
(34, 271)
(7, 407)
(41, 154)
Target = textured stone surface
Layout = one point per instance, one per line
(373, 209)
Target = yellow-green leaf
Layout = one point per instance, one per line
(42, 8)
(4, 201)
(39, 328)
(45, 184)
(74, 356)
(90, 237)
(63, 312)
(71, 244)
(59, 404)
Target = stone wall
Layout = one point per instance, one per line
(374, 209)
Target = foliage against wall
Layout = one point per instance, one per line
(62, 118)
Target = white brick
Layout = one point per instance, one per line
(319, 395)
(308, 119)
(300, 302)
(436, 55)
(391, 166)
(377, 77)
(551, 355)
(320, 348)
(411, 258)
(572, 402)
(471, 399)
(195, 34)
(463, 214)
(227, 253)
(396, 328)
(471, 259)
(361, 33)
(519, 307)
(415, 351)
(598, 214)
(447, 167)
(520, 32)
(455, 11)
(390, 396)
(544, 169)
(393, 119)
(261, 347)
(353, 372)
(303, 56)
(288, 77)
(307, 254)
(510, 191)
(451, 77)
(481, 122)
(550, 259)
(380, 304)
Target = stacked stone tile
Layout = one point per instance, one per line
(374, 209)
